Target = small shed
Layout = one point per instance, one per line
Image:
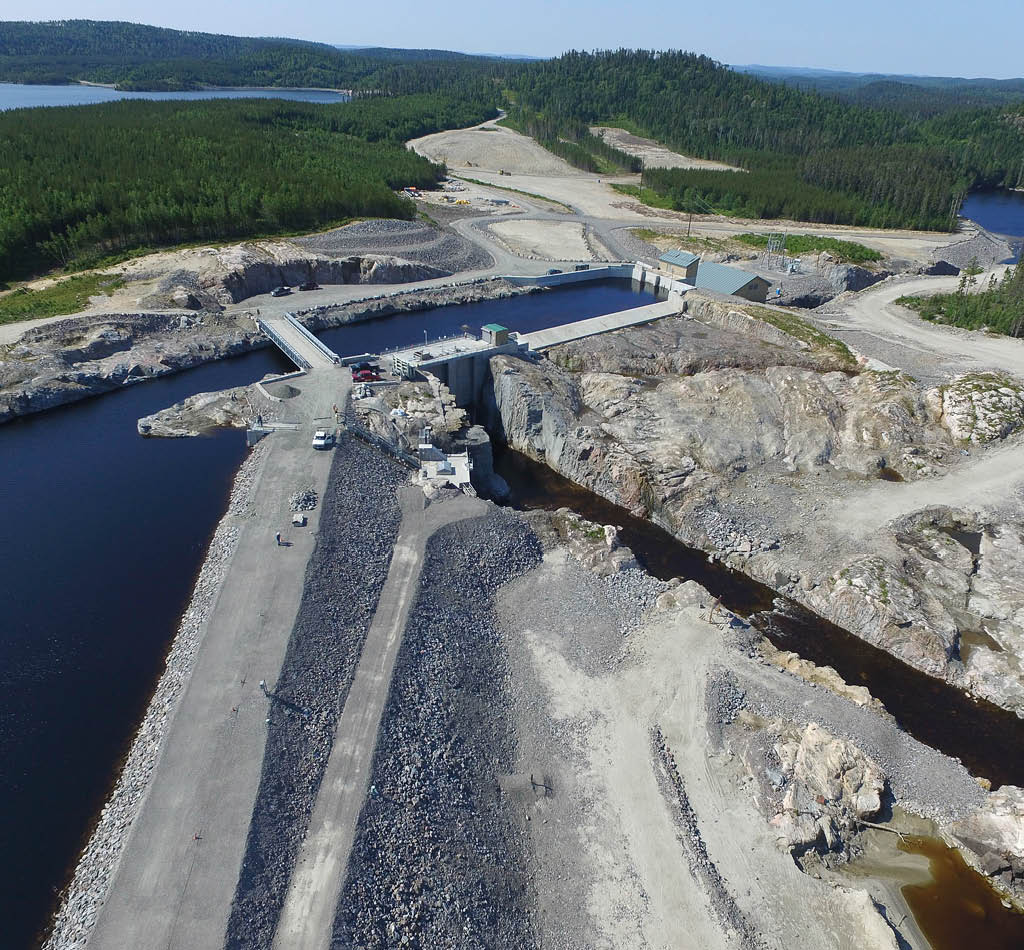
(495, 334)
(731, 280)
(680, 264)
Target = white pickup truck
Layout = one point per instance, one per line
(322, 439)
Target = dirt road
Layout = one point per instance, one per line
(875, 312)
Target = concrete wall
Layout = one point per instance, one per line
(603, 272)
(466, 373)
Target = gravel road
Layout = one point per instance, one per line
(360, 514)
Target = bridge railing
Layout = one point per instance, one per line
(319, 344)
(283, 345)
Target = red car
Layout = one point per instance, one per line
(365, 376)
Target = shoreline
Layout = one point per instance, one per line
(78, 904)
(315, 318)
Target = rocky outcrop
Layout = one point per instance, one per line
(812, 787)
(72, 359)
(232, 408)
(992, 839)
(213, 277)
(979, 407)
(79, 357)
(818, 675)
(249, 273)
(698, 448)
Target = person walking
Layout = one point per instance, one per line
(277, 538)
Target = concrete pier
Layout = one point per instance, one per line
(542, 339)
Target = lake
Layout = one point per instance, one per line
(1001, 212)
(105, 532)
(18, 96)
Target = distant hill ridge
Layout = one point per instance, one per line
(136, 56)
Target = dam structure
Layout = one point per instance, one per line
(462, 362)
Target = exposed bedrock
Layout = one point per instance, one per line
(438, 860)
(734, 429)
(79, 357)
(361, 514)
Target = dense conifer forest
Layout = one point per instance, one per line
(105, 179)
(85, 182)
(133, 56)
(806, 156)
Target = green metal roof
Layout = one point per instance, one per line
(494, 327)
(679, 258)
(720, 278)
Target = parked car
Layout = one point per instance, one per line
(309, 285)
(363, 364)
(322, 439)
(365, 376)
(280, 292)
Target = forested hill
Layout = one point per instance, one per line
(133, 56)
(809, 156)
(85, 182)
(920, 96)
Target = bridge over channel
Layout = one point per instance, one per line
(296, 342)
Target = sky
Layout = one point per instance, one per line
(923, 37)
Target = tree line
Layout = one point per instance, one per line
(998, 306)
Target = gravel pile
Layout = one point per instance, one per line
(88, 888)
(723, 699)
(985, 248)
(340, 598)
(438, 860)
(723, 904)
(303, 500)
(413, 241)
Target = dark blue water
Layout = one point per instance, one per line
(1001, 212)
(18, 96)
(103, 534)
(525, 314)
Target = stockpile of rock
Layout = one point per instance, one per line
(305, 499)
(361, 514)
(88, 888)
(414, 241)
(438, 861)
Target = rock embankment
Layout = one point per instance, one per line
(80, 357)
(87, 891)
(734, 430)
(231, 408)
(361, 514)
(438, 860)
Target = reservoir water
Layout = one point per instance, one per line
(104, 533)
(1001, 212)
(24, 96)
